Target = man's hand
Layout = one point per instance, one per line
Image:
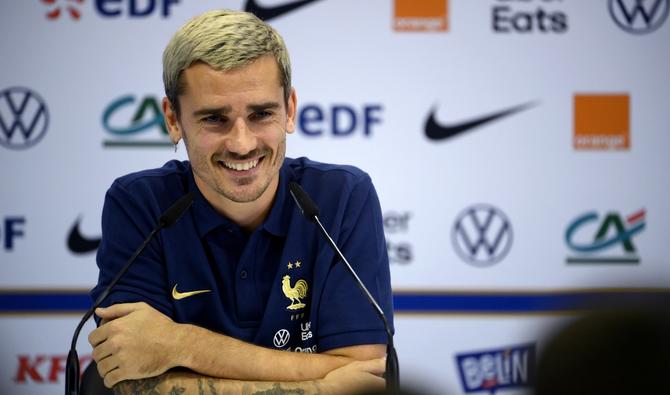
(133, 343)
(136, 341)
(355, 377)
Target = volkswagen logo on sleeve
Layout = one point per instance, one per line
(482, 235)
(24, 118)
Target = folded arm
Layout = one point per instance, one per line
(352, 378)
(137, 342)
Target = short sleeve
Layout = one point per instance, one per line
(346, 318)
(126, 223)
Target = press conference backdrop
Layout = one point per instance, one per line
(519, 149)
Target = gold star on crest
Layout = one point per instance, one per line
(297, 263)
(290, 265)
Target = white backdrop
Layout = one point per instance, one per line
(365, 92)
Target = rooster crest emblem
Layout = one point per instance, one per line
(294, 293)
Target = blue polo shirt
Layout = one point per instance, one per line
(280, 286)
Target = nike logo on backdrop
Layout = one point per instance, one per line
(266, 13)
(78, 243)
(181, 295)
(436, 131)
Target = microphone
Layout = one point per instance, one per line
(311, 212)
(167, 219)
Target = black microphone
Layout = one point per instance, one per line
(311, 211)
(168, 218)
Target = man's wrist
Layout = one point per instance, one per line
(178, 353)
(324, 387)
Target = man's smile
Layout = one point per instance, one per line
(241, 166)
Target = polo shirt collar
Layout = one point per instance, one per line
(208, 219)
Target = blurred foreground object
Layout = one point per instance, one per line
(611, 352)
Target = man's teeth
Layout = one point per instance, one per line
(241, 166)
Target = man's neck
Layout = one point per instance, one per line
(247, 216)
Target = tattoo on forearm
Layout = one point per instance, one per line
(201, 388)
(212, 390)
(177, 390)
(278, 390)
(149, 386)
(138, 387)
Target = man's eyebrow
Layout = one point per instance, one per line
(213, 110)
(271, 105)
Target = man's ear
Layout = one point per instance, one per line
(291, 109)
(171, 121)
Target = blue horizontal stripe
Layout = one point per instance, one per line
(404, 302)
(523, 302)
(44, 302)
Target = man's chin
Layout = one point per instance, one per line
(244, 194)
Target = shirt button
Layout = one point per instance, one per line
(243, 274)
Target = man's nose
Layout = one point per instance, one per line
(241, 140)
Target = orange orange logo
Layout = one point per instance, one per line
(602, 122)
(420, 16)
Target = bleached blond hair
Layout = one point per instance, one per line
(224, 40)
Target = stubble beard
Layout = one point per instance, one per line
(269, 175)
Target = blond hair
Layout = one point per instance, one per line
(224, 40)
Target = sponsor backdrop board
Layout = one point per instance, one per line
(518, 149)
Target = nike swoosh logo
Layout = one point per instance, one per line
(78, 243)
(181, 295)
(267, 13)
(436, 131)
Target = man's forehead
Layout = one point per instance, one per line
(267, 61)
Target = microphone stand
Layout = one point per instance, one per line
(169, 217)
(392, 367)
(311, 212)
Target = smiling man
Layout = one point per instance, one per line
(216, 301)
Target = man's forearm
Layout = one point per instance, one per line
(352, 378)
(139, 342)
(216, 355)
(183, 383)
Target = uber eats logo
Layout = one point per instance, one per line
(528, 16)
(133, 121)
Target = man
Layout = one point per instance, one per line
(217, 299)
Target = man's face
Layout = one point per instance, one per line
(234, 126)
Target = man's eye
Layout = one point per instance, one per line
(213, 119)
(259, 115)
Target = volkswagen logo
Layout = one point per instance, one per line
(281, 338)
(24, 118)
(639, 16)
(482, 235)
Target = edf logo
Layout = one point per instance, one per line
(339, 120)
(109, 8)
(134, 8)
(12, 228)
